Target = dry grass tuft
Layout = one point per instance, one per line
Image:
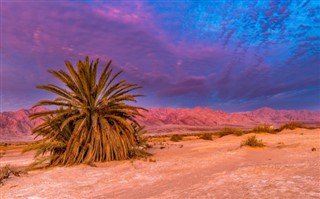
(138, 152)
(292, 126)
(252, 141)
(206, 136)
(176, 138)
(7, 171)
(2, 153)
(264, 128)
(152, 160)
(230, 131)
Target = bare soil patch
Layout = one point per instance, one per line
(287, 167)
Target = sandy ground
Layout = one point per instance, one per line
(285, 168)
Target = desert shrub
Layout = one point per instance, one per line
(7, 171)
(229, 131)
(4, 144)
(264, 128)
(252, 141)
(206, 136)
(2, 154)
(139, 153)
(93, 121)
(176, 138)
(292, 126)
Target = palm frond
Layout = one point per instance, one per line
(93, 123)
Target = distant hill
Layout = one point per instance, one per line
(166, 120)
(16, 126)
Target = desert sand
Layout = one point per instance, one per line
(193, 168)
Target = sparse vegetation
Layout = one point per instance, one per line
(229, 131)
(176, 138)
(4, 144)
(206, 136)
(7, 171)
(2, 153)
(264, 128)
(313, 149)
(252, 141)
(292, 126)
(139, 153)
(93, 123)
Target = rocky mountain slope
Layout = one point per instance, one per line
(17, 126)
(169, 120)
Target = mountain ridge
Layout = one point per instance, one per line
(16, 126)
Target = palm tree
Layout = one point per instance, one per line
(92, 122)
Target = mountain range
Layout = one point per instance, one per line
(16, 126)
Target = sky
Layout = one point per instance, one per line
(224, 54)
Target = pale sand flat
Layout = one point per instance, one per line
(285, 168)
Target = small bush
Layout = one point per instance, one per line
(176, 138)
(7, 170)
(4, 144)
(252, 142)
(206, 136)
(292, 126)
(3, 153)
(229, 131)
(138, 152)
(265, 128)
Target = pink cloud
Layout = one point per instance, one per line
(159, 49)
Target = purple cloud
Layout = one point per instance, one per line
(233, 56)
